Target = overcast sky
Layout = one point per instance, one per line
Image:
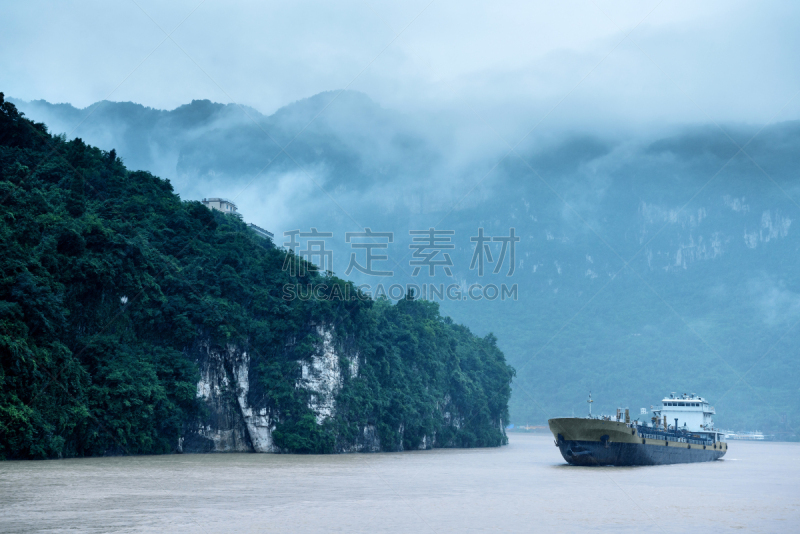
(591, 62)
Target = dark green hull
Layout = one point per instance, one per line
(592, 442)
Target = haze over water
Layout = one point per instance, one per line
(523, 487)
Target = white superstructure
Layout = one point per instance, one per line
(693, 413)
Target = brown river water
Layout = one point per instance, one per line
(524, 487)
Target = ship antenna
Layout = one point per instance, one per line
(590, 401)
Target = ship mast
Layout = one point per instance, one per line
(590, 401)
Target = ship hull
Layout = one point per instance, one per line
(592, 442)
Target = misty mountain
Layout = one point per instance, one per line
(648, 261)
(203, 141)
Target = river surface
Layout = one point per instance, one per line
(523, 487)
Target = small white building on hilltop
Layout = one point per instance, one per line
(226, 206)
(220, 204)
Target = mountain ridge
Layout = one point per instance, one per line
(710, 234)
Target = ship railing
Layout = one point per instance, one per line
(676, 439)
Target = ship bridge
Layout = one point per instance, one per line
(692, 412)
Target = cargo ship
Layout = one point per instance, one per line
(679, 431)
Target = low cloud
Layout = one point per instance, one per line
(776, 303)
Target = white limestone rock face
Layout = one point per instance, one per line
(223, 430)
(323, 375)
(232, 424)
(259, 425)
(773, 226)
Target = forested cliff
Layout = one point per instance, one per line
(132, 322)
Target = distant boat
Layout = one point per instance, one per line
(745, 436)
(616, 440)
(531, 427)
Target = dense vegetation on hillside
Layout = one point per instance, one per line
(708, 301)
(107, 278)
